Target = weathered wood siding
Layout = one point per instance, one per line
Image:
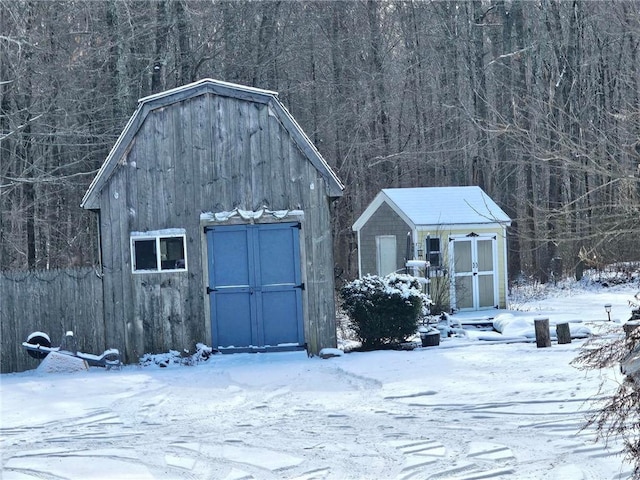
(54, 302)
(207, 153)
(385, 221)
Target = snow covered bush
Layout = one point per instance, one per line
(384, 310)
(174, 357)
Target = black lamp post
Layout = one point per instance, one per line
(607, 308)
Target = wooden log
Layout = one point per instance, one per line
(543, 335)
(563, 333)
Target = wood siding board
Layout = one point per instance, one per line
(181, 157)
(120, 266)
(166, 172)
(144, 181)
(200, 144)
(317, 284)
(115, 323)
(185, 296)
(243, 144)
(275, 173)
(114, 326)
(271, 196)
(296, 176)
(206, 168)
(157, 168)
(229, 118)
(323, 260)
(32, 301)
(221, 154)
(211, 204)
(258, 156)
(125, 302)
(131, 194)
(202, 165)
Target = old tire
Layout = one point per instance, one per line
(38, 338)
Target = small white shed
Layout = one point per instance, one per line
(460, 231)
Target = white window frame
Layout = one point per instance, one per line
(157, 236)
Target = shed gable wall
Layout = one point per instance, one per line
(207, 153)
(384, 221)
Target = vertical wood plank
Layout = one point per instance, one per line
(43, 301)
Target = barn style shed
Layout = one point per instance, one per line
(460, 231)
(214, 216)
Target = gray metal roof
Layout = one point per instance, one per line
(162, 99)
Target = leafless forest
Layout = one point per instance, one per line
(535, 101)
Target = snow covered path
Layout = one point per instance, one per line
(470, 411)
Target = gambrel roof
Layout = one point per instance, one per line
(163, 99)
(432, 206)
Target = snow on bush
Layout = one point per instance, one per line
(384, 310)
(202, 354)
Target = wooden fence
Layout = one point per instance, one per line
(50, 301)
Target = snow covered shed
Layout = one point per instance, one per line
(213, 212)
(460, 231)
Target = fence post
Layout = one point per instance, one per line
(543, 335)
(563, 333)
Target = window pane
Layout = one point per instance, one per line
(485, 255)
(145, 254)
(462, 256)
(433, 251)
(485, 290)
(464, 292)
(172, 253)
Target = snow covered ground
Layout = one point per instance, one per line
(468, 409)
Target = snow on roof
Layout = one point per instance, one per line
(446, 205)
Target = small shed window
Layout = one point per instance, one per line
(158, 252)
(433, 251)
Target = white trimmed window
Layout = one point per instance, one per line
(161, 251)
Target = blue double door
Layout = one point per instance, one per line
(255, 287)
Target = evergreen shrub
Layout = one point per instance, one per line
(384, 310)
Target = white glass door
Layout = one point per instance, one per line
(473, 264)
